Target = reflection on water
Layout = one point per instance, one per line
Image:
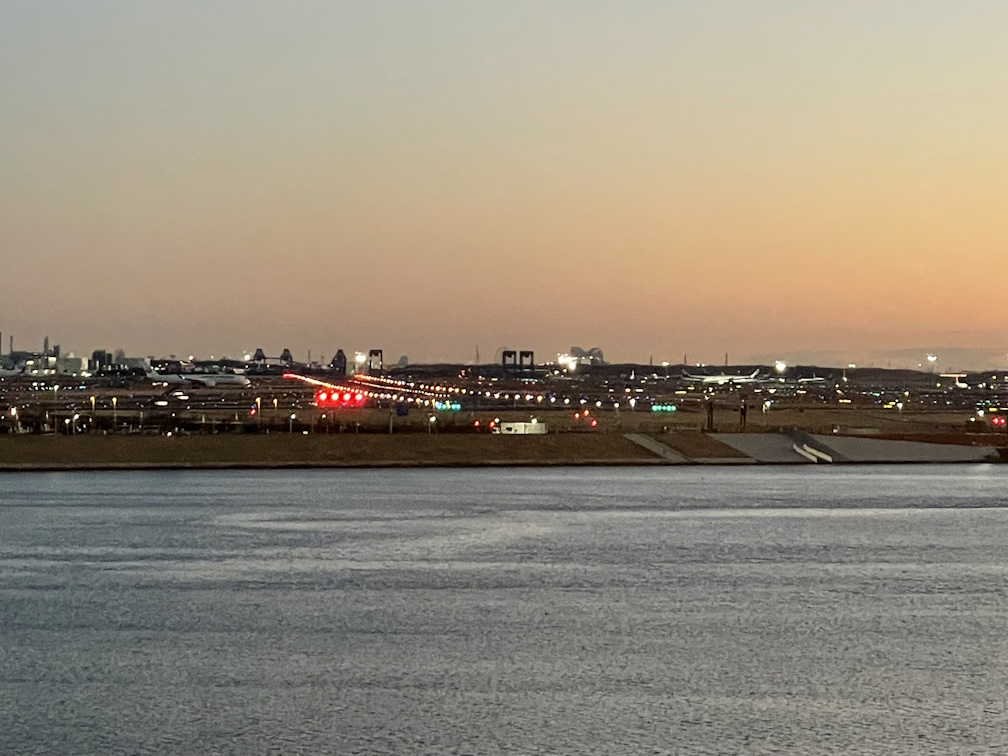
(473, 611)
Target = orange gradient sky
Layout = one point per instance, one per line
(787, 179)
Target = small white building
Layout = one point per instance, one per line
(520, 429)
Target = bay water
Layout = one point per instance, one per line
(596, 610)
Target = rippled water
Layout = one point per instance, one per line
(838, 610)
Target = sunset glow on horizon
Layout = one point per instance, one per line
(769, 180)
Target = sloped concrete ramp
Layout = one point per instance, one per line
(768, 448)
(702, 448)
(855, 449)
(655, 447)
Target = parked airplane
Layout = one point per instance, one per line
(958, 379)
(722, 378)
(205, 379)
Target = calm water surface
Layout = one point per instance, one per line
(838, 610)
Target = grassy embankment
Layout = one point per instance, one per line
(344, 450)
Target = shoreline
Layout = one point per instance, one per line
(466, 451)
(383, 465)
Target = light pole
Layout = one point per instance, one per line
(92, 410)
(292, 417)
(115, 415)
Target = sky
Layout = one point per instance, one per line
(781, 179)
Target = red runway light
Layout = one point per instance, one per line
(594, 423)
(323, 396)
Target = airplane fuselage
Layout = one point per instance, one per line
(723, 378)
(203, 379)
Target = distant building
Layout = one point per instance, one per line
(99, 360)
(523, 360)
(592, 356)
(70, 365)
(338, 364)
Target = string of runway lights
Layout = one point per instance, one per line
(360, 387)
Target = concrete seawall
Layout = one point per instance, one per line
(319, 450)
(854, 450)
(464, 450)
